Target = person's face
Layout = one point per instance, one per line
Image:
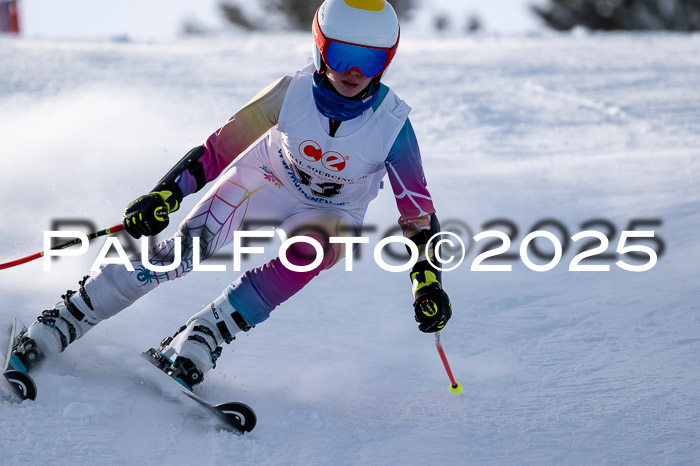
(348, 84)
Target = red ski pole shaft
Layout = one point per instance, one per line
(455, 387)
(441, 351)
(67, 244)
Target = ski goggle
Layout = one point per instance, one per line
(342, 56)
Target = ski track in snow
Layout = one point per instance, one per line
(557, 367)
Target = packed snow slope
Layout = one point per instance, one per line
(589, 132)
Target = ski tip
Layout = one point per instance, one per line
(238, 415)
(22, 384)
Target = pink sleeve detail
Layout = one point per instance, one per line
(240, 131)
(217, 156)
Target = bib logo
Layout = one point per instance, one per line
(332, 161)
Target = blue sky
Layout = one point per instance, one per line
(162, 19)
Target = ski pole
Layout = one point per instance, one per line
(67, 244)
(455, 387)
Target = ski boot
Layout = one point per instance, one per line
(54, 330)
(194, 349)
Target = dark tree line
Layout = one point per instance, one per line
(630, 15)
(606, 15)
(297, 14)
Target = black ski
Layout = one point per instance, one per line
(236, 416)
(23, 387)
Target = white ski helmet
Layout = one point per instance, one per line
(355, 34)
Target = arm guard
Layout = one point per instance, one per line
(421, 240)
(189, 162)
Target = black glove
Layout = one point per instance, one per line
(432, 305)
(148, 215)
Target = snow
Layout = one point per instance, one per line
(558, 367)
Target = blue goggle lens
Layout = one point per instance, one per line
(342, 57)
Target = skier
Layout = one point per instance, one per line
(331, 133)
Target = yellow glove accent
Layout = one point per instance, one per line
(431, 311)
(165, 195)
(430, 278)
(159, 213)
